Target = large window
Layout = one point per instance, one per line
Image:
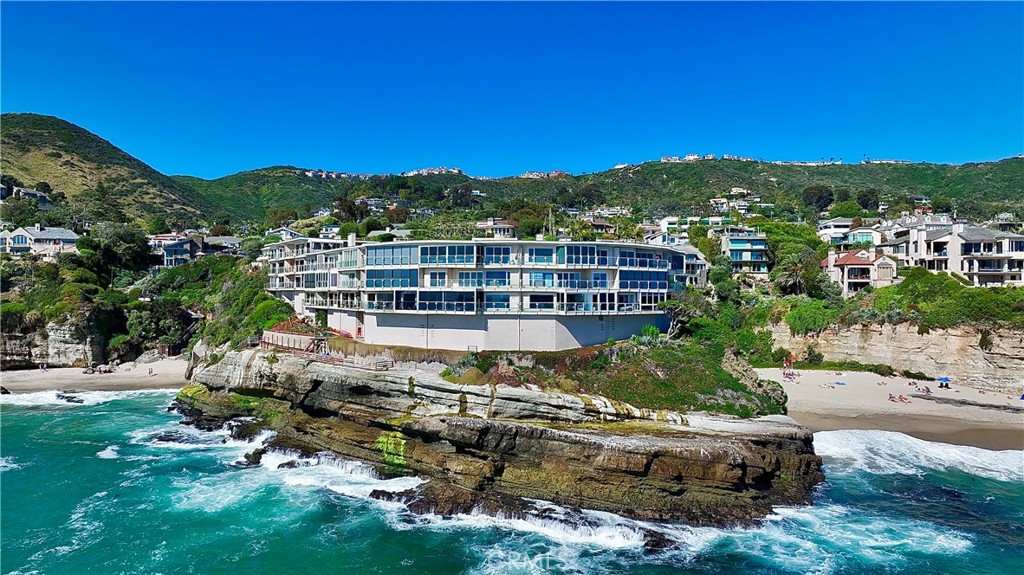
(497, 254)
(541, 279)
(447, 301)
(437, 279)
(496, 279)
(578, 255)
(390, 255)
(497, 301)
(541, 255)
(471, 279)
(542, 301)
(391, 278)
(457, 254)
(643, 280)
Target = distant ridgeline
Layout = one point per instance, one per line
(71, 159)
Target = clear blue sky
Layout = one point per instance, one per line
(497, 89)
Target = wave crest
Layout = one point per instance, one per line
(892, 453)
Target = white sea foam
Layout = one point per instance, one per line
(109, 453)
(8, 464)
(49, 398)
(891, 453)
(345, 477)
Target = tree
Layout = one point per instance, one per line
(99, 204)
(530, 227)
(819, 197)
(847, 209)
(683, 309)
(461, 195)
(157, 225)
(842, 194)
(276, 217)
(10, 181)
(581, 231)
(796, 271)
(868, 199)
(19, 211)
(221, 218)
(942, 205)
(397, 215)
(44, 187)
(220, 230)
(123, 246)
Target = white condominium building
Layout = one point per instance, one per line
(483, 293)
(985, 257)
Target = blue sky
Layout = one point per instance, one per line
(497, 89)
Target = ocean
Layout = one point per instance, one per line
(115, 485)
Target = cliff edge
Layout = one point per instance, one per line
(490, 447)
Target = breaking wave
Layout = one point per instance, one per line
(891, 453)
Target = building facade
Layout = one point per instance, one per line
(39, 240)
(858, 269)
(983, 256)
(746, 249)
(483, 293)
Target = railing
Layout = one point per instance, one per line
(467, 307)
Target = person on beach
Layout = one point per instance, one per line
(151, 371)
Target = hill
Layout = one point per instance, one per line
(43, 148)
(40, 148)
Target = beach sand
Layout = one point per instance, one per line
(167, 374)
(816, 401)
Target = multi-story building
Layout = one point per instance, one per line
(833, 231)
(746, 248)
(858, 269)
(481, 293)
(985, 257)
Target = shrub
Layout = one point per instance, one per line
(814, 357)
(650, 331)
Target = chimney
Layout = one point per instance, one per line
(39, 227)
(831, 258)
(351, 240)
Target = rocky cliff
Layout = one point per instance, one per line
(981, 357)
(490, 447)
(58, 345)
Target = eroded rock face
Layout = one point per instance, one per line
(58, 345)
(488, 447)
(956, 352)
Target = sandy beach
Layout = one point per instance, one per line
(167, 374)
(826, 400)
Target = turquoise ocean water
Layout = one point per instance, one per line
(94, 488)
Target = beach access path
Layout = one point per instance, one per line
(829, 400)
(167, 374)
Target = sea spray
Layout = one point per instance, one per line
(170, 502)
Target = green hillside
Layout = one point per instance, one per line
(38, 148)
(42, 148)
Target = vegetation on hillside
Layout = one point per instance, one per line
(71, 159)
(46, 149)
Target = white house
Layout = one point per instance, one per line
(40, 240)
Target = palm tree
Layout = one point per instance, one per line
(793, 271)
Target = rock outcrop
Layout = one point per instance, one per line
(58, 345)
(487, 447)
(981, 357)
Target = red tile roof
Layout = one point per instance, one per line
(853, 258)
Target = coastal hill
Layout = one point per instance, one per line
(40, 148)
(44, 148)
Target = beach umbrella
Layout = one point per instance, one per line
(944, 379)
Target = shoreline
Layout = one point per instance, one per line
(167, 374)
(831, 401)
(815, 401)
